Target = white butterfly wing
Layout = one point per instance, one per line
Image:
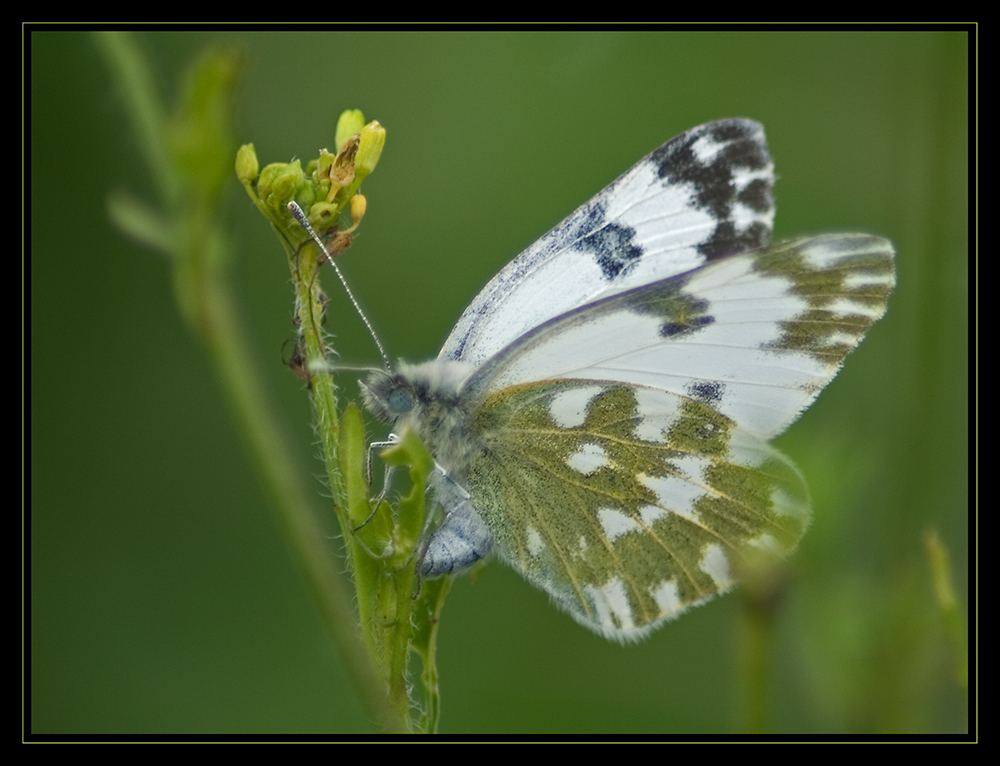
(624, 466)
(756, 335)
(628, 369)
(703, 195)
(626, 504)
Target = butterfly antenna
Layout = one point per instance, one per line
(300, 216)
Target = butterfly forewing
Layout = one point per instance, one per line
(624, 503)
(705, 194)
(757, 335)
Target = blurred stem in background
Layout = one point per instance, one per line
(190, 154)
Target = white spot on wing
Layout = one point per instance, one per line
(588, 459)
(742, 177)
(656, 410)
(569, 408)
(860, 280)
(647, 430)
(615, 523)
(666, 597)
(535, 543)
(715, 564)
(650, 514)
(705, 148)
(847, 306)
(766, 543)
(786, 504)
(677, 494)
(611, 602)
(691, 467)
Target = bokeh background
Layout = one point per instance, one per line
(163, 599)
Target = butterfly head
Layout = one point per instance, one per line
(431, 399)
(395, 397)
(387, 395)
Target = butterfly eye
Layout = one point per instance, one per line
(400, 400)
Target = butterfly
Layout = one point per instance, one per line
(600, 414)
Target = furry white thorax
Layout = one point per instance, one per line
(428, 397)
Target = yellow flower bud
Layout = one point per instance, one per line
(281, 182)
(358, 206)
(324, 163)
(370, 148)
(246, 164)
(350, 122)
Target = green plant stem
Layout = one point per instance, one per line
(304, 268)
(308, 298)
(761, 598)
(428, 619)
(757, 638)
(146, 109)
(947, 599)
(383, 591)
(303, 530)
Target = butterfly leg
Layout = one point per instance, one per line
(387, 479)
(462, 539)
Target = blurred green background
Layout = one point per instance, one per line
(163, 599)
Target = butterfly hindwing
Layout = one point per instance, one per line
(703, 195)
(627, 504)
